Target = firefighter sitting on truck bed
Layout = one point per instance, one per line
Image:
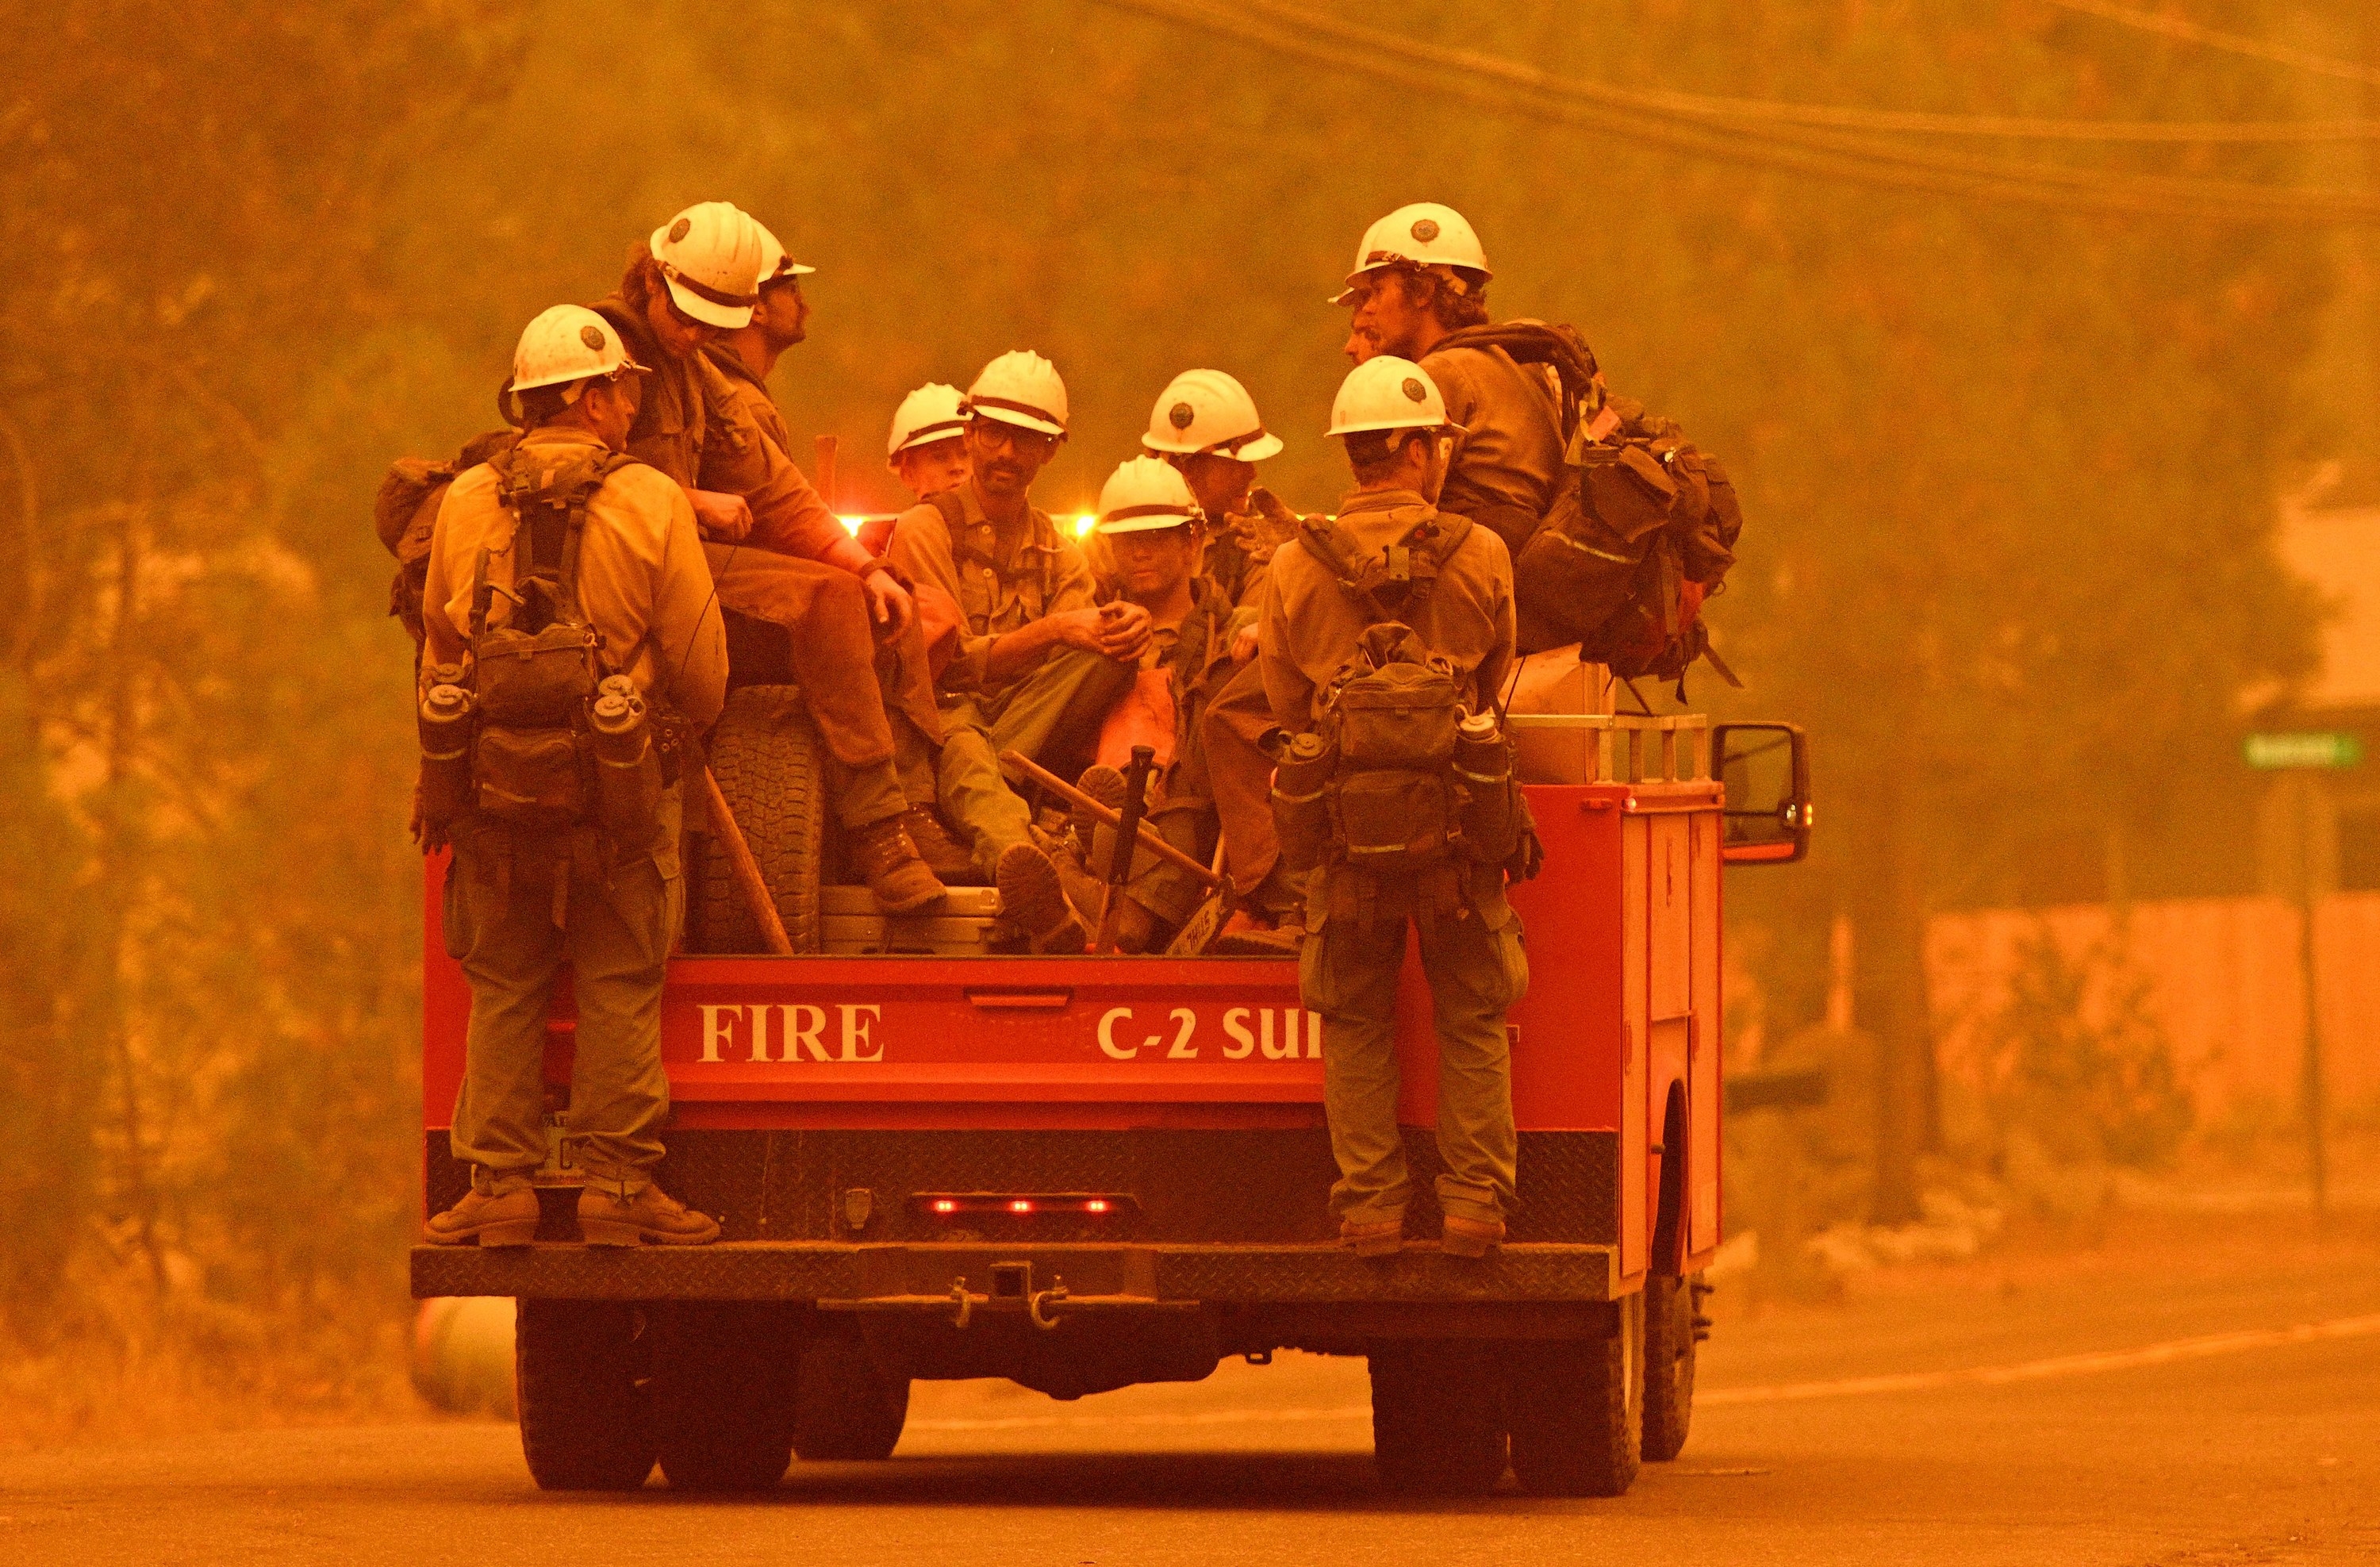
(569, 612)
(1386, 637)
(1037, 663)
(1156, 534)
(778, 554)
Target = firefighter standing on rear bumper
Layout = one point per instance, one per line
(1398, 433)
(521, 901)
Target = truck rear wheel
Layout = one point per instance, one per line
(770, 766)
(586, 1416)
(1572, 1407)
(1437, 1426)
(1669, 1366)
(846, 1407)
(721, 1396)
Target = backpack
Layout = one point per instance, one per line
(404, 515)
(534, 675)
(1391, 711)
(1640, 538)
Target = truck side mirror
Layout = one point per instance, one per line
(1764, 769)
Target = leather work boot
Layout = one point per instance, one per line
(607, 1219)
(1251, 935)
(485, 1218)
(1032, 899)
(889, 862)
(936, 845)
(1135, 926)
(1384, 1239)
(1469, 1237)
(1103, 783)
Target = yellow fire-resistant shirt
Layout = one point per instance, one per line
(1003, 578)
(642, 582)
(1311, 625)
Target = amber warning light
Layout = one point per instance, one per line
(1016, 1205)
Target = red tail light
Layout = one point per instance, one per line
(1013, 1205)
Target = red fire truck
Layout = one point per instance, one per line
(933, 1160)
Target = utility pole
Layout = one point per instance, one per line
(2309, 790)
(2305, 754)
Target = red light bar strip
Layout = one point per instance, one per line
(946, 1204)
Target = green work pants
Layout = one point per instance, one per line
(1052, 711)
(1476, 967)
(618, 925)
(867, 795)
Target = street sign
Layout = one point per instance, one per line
(2305, 748)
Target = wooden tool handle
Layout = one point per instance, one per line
(1149, 836)
(746, 869)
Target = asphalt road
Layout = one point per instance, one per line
(2188, 1422)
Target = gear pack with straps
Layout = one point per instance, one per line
(1393, 584)
(1404, 828)
(535, 671)
(1642, 535)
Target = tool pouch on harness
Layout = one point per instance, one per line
(1302, 775)
(535, 761)
(1390, 715)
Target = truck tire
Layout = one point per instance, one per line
(723, 1396)
(846, 1407)
(1437, 1427)
(770, 766)
(1669, 1366)
(586, 1415)
(1573, 1408)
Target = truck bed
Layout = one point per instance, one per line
(823, 1105)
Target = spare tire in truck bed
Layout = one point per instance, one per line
(770, 766)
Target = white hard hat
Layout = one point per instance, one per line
(1205, 410)
(1144, 493)
(1424, 234)
(711, 254)
(931, 413)
(1021, 388)
(1388, 392)
(775, 266)
(568, 343)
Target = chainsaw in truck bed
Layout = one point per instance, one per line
(932, 1159)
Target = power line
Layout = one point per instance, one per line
(1718, 128)
(2020, 128)
(2230, 42)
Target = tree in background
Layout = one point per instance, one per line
(208, 899)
